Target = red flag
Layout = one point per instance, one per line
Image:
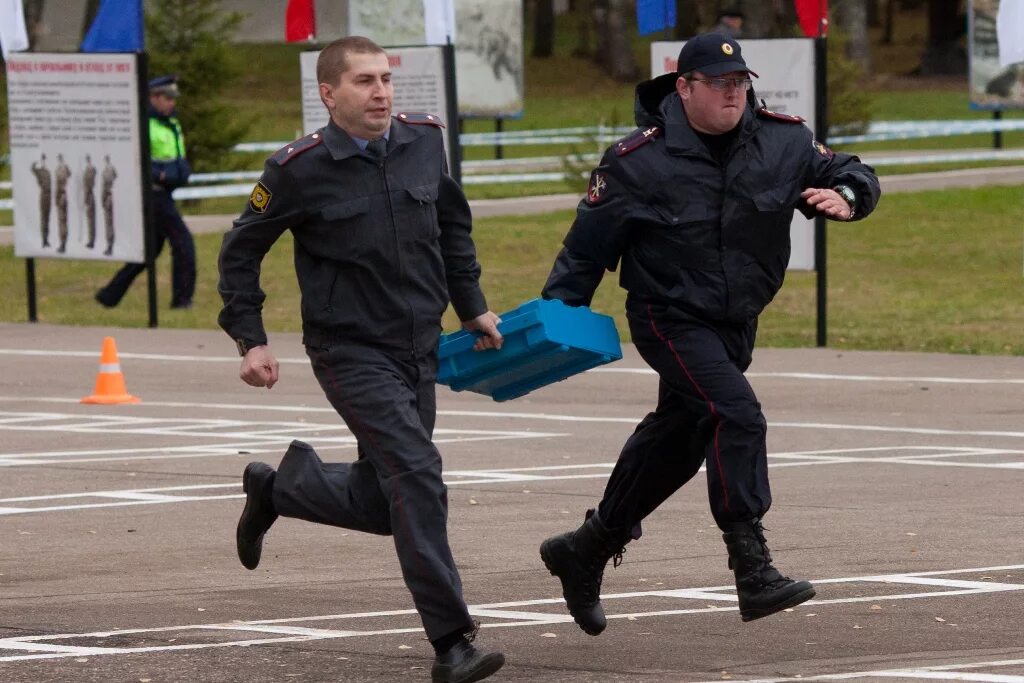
(811, 13)
(299, 21)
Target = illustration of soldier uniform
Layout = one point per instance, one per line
(88, 187)
(42, 175)
(62, 174)
(107, 197)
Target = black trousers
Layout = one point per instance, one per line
(395, 486)
(170, 227)
(707, 411)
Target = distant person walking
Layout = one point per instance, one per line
(42, 174)
(730, 24)
(170, 170)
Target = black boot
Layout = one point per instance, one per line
(761, 589)
(578, 559)
(258, 515)
(463, 663)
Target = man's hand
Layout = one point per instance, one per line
(828, 202)
(488, 324)
(259, 367)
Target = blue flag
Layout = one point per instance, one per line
(116, 28)
(655, 15)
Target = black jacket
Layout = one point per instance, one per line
(379, 244)
(709, 239)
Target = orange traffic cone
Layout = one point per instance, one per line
(110, 387)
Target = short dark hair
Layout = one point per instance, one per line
(730, 13)
(333, 59)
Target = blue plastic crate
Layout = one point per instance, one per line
(545, 342)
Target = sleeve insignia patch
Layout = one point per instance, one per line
(598, 188)
(259, 200)
(822, 149)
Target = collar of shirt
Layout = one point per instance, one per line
(362, 142)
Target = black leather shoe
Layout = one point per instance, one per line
(258, 515)
(463, 663)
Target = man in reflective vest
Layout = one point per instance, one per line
(170, 169)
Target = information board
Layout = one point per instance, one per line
(76, 156)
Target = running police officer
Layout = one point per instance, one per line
(696, 207)
(382, 241)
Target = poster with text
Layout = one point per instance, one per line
(993, 86)
(488, 47)
(786, 83)
(75, 156)
(416, 72)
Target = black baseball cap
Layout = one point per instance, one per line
(712, 54)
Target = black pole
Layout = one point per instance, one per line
(454, 120)
(997, 135)
(30, 288)
(498, 152)
(820, 228)
(149, 227)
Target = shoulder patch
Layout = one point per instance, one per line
(420, 118)
(598, 188)
(821, 149)
(764, 112)
(636, 139)
(259, 199)
(294, 149)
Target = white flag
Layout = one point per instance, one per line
(1010, 30)
(13, 36)
(439, 20)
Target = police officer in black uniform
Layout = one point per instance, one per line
(695, 209)
(382, 243)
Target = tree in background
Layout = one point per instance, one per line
(944, 52)
(543, 28)
(192, 38)
(851, 16)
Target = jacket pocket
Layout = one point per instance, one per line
(778, 198)
(424, 200)
(353, 207)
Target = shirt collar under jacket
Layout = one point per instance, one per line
(341, 145)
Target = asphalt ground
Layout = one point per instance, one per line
(897, 481)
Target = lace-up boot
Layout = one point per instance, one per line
(578, 559)
(762, 590)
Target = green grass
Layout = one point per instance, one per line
(931, 271)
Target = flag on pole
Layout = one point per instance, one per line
(116, 28)
(1010, 32)
(810, 14)
(439, 21)
(13, 36)
(299, 21)
(655, 15)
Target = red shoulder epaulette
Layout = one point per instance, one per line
(294, 149)
(636, 139)
(787, 118)
(420, 118)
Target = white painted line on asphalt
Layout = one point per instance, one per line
(937, 672)
(48, 647)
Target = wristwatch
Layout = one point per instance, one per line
(244, 345)
(849, 196)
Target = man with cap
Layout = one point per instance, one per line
(730, 24)
(170, 169)
(695, 206)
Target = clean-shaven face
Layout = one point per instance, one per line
(360, 103)
(710, 110)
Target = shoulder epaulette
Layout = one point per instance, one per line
(420, 118)
(294, 149)
(787, 118)
(637, 138)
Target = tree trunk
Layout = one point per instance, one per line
(890, 15)
(687, 20)
(943, 53)
(852, 18)
(584, 19)
(543, 28)
(33, 21)
(618, 53)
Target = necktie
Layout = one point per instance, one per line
(377, 148)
